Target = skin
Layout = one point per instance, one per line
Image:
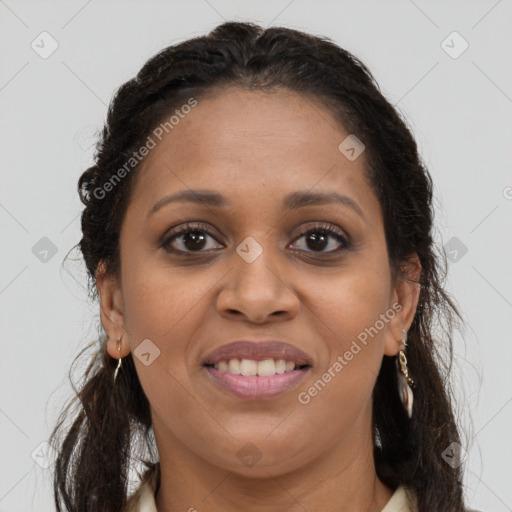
(254, 148)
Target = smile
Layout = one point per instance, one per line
(257, 370)
(257, 380)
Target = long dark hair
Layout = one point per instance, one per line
(108, 424)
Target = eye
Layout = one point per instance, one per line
(317, 238)
(188, 238)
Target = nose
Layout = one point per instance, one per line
(257, 291)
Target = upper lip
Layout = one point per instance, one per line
(258, 351)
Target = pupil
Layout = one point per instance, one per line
(194, 237)
(317, 239)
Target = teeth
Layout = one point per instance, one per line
(280, 366)
(223, 366)
(248, 367)
(266, 368)
(234, 366)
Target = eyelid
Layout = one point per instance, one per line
(323, 226)
(185, 228)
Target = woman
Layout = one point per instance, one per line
(258, 230)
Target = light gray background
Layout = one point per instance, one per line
(460, 110)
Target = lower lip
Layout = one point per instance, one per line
(257, 388)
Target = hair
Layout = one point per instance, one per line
(112, 422)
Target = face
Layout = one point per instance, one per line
(261, 263)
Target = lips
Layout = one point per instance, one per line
(257, 370)
(258, 351)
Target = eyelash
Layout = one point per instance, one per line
(321, 228)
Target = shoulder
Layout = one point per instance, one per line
(402, 500)
(143, 499)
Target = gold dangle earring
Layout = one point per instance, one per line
(120, 358)
(404, 380)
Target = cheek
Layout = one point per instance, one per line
(351, 318)
(166, 309)
(158, 299)
(347, 304)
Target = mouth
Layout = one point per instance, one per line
(257, 370)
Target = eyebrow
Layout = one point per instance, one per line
(292, 201)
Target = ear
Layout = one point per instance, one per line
(112, 312)
(404, 301)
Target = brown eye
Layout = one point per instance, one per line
(189, 238)
(324, 239)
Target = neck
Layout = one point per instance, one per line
(343, 479)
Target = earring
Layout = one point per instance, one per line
(120, 358)
(404, 380)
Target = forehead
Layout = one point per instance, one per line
(253, 145)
